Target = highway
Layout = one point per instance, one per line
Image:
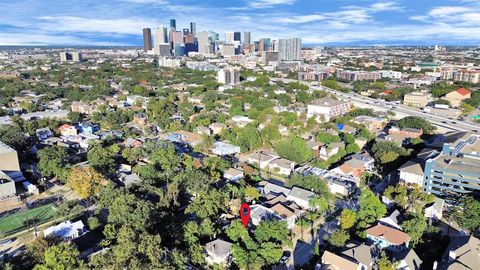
(381, 105)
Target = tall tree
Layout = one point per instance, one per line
(62, 256)
(85, 181)
(347, 219)
(371, 208)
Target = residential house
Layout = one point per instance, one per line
(132, 143)
(203, 130)
(233, 174)
(412, 172)
(332, 261)
(186, 137)
(300, 196)
(282, 166)
(351, 167)
(43, 133)
(285, 213)
(359, 253)
(372, 123)
(217, 128)
(82, 107)
(89, 127)
(218, 252)
(275, 190)
(456, 97)
(225, 149)
(260, 158)
(140, 119)
(435, 209)
(461, 253)
(66, 230)
(392, 220)
(388, 238)
(328, 150)
(259, 213)
(367, 160)
(407, 260)
(68, 130)
(241, 121)
(283, 130)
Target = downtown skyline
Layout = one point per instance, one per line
(324, 22)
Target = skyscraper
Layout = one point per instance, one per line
(237, 36)
(147, 39)
(186, 31)
(159, 38)
(173, 24)
(193, 28)
(246, 38)
(204, 46)
(289, 49)
(229, 37)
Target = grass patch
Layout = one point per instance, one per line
(21, 220)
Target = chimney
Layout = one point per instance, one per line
(213, 248)
(452, 256)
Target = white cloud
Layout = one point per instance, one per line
(84, 25)
(447, 11)
(384, 6)
(269, 3)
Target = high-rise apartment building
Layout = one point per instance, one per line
(289, 49)
(228, 76)
(147, 39)
(237, 36)
(173, 24)
(159, 38)
(229, 37)
(204, 46)
(71, 57)
(193, 28)
(246, 38)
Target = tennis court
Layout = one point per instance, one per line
(20, 220)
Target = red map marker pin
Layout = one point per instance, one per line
(245, 214)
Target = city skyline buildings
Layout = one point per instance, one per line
(345, 23)
(147, 39)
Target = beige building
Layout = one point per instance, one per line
(417, 99)
(8, 159)
(456, 97)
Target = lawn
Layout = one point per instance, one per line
(18, 221)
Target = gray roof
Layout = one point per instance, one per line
(413, 166)
(410, 257)
(300, 193)
(467, 253)
(359, 252)
(218, 247)
(5, 148)
(272, 188)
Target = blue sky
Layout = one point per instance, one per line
(326, 22)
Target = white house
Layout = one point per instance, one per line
(218, 252)
(67, 230)
(300, 196)
(282, 166)
(435, 210)
(233, 174)
(412, 172)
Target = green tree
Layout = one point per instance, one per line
(371, 208)
(415, 226)
(338, 238)
(252, 193)
(208, 204)
(468, 214)
(347, 219)
(103, 159)
(52, 161)
(416, 122)
(385, 264)
(63, 256)
(398, 194)
(294, 148)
